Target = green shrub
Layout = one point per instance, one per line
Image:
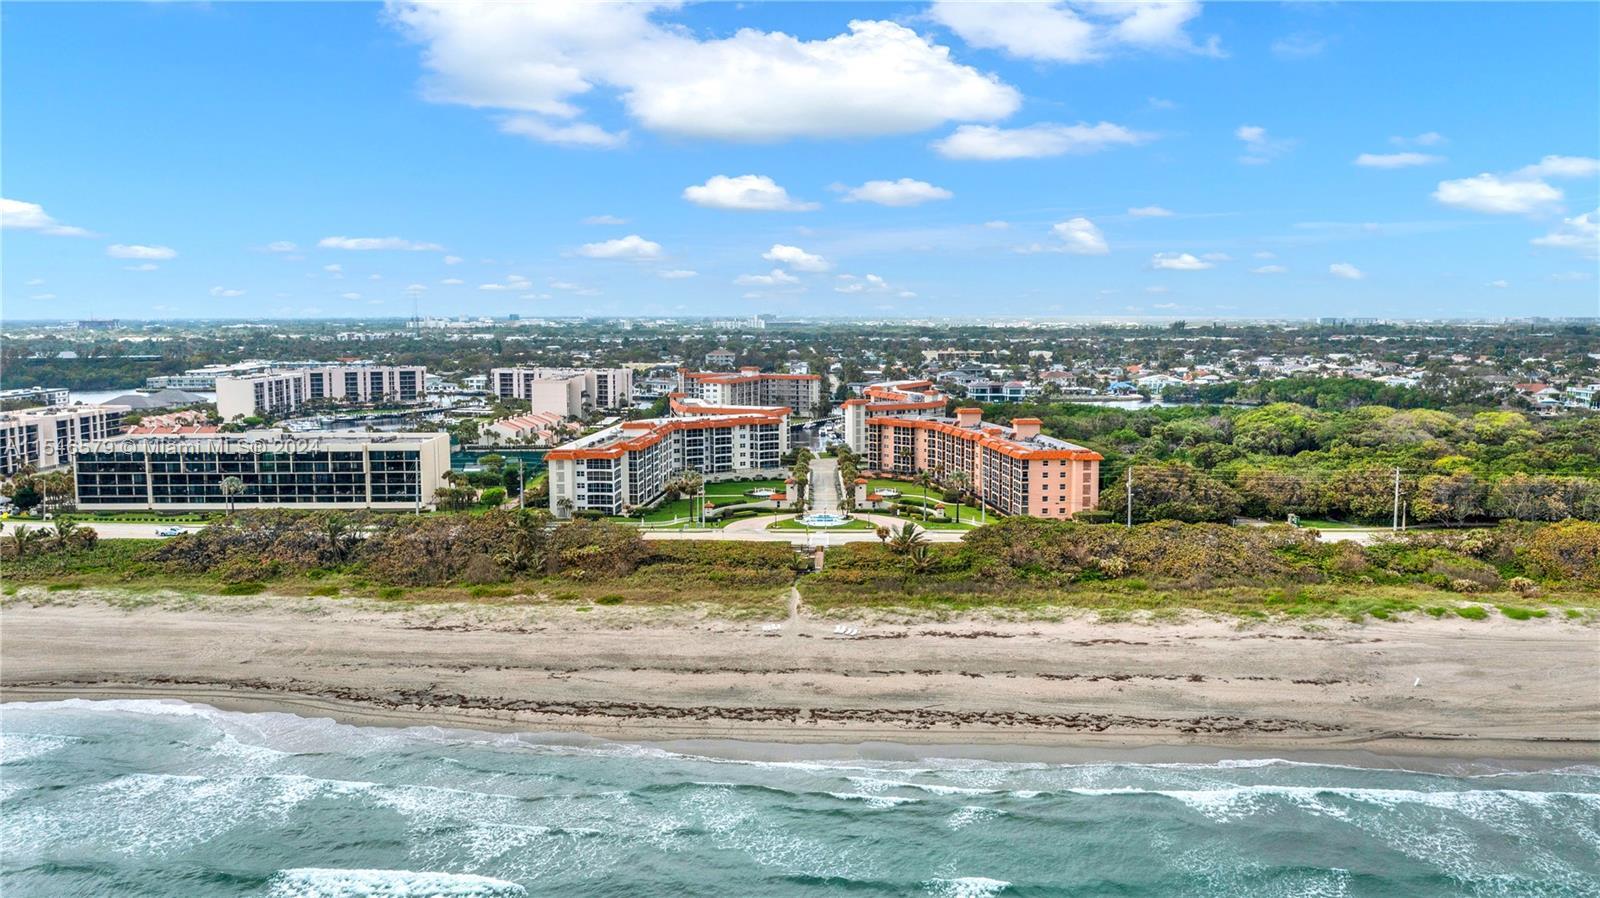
(1516, 613)
(243, 588)
(609, 600)
(1473, 612)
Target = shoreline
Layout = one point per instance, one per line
(1488, 757)
(1429, 690)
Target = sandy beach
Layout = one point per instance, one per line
(1453, 688)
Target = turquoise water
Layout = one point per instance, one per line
(145, 798)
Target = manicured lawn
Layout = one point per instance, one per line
(134, 517)
(912, 493)
(718, 494)
(794, 524)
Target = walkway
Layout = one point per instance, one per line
(825, 485)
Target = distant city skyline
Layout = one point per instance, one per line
(888, 160)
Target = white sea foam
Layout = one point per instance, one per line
(964, 817)
(875, 801)
(966, 887)
(18, 747)
(317, 882)
(876, 784)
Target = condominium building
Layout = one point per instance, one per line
(46, 438)
(1012, 469)
(749, 386)
(628, 465)
(898, 399)
(185, 472)
(24, 396)
(205, 377)
(565, 391)
(1001, 391)
(286, 390)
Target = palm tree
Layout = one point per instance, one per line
(231, 487)
(961, 483)
(906, 538)
(25, 539)
(565, 504)
(926, 479)
(63, 533)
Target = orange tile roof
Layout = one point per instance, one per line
(990, 437)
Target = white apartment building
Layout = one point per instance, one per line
(802, 393)
(286, 390)
(890, 399)
(47, 396)
(565, 391)
(628, 464)
(184, 472)
(47, 437)
(205, 377)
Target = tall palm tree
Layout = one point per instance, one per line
(906, 538)
(231, 487)
(926, 479)
(961, 482)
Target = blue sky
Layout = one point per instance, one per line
(352, 160)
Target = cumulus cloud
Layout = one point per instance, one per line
(796, 258)
(452, 282)
(1269, 269)
(281, 246)
(21, 216)
(990, 143)
(452, 260)
(142, 266)
(1522, 192)
(1396, 160)
(677, 274)
(867, 283)
(1078, 236)
(1499, 284)
(1073, 33)
(604, 220)
(776, 277)
(1259, 146)
(140, 251)
(744, 193)
(1580, 233)
(1346, 271)
(632, 247)
(1426, 139)
(1150, 212)
(538, 60)
(349, 296)
(226, 292)
(904, 192)
(573, 134)
(378, 243)
(1179, 262)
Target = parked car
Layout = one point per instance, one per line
(171, 531)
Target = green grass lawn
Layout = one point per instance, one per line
(718, 494)
(912, 493)
(794, 524)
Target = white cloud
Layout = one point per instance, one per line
(1269, 269)
(1581, 233)
(1073, 33)
(140, 251)
(778, 276)
(1500, 284)
(1499, 196)
(452, 260)
(35, 282)
(21, 216)
(452, 282)
(1300, 45)
(870, 283)
(416, 288)
(1560, 167)
(40, 297)
(1259, 146)
(575, 134)
(334, 268)
(677, 274)
(604, 220)
(378, 243)
(539, 59)
(1155, 289)
(990, 143)
(142, 266)
(1396, 160)
(796, 258)
(1080, 236)
(1522, 192)
(1216, 257)
(1347, 271)
(226, 292)
(1264, 254)
(1150, 212)
(904, 192)
(997, 225)
(1571, 276)
(1426, 139)
(632, 247)
(1179, 262)
(493, 287)
(744, 193)
(374, 277)
(281, 246)
(349, 296)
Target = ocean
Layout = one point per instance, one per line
(141, 798)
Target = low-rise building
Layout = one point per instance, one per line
(205, 377)
(1001, 391)
(283, 391)
(750, 386)
(44, 396)
(185, 472)
(629, 464)
(565, 391)
(46, 438)
(540, 428)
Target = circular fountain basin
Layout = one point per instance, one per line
(825, 520)
(761, 493)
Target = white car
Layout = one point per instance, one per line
(171, 531)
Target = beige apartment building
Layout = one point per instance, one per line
(284, 390)
(46, 438)
(569, 392)
(749, 386)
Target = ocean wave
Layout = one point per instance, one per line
(966, 887)
(321, 882)
(875, 801)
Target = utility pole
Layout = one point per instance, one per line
(1130, 495)
(1396, 525)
